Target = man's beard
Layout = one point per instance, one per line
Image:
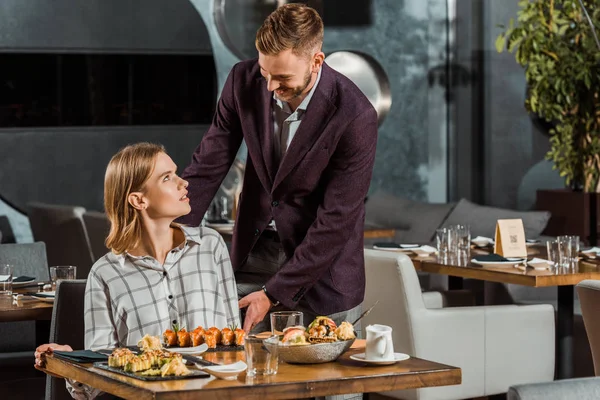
(292, 93)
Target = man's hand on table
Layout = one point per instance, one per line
(258, 306)
(48, 348)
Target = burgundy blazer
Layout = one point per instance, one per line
(316, 196)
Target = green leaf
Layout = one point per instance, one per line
(500, 43)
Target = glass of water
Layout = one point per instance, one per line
(6, 279)
(60, 272)
(462, 237)
(262, 354)
(285, 319)
(568, 246)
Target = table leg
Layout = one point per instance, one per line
(455, 283)
(564, 332)
(42, 332)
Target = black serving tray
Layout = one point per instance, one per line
(195, 373)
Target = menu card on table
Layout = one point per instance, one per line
(510, 238)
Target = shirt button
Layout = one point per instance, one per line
(170, 297)
(256, 232)
(275, 203)
(165, 273)
(174, 321)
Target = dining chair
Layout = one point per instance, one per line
(62, 229)
(495, 346)
(6, 232)
(589, 297)
(66, 328)
(97, 226)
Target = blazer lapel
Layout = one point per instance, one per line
(260, 142)
(320, 109)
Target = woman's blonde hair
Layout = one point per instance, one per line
(291, 26)
(127, 172)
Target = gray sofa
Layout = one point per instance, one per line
(416, 222)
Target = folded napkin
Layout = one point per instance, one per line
(81, 356)
(592, 250)
(540, 263)
(19, 279)
(424, 249)
(490, 257)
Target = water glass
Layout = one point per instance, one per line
(462, 236)
(552, 248)
(262, 354)
(444, 242)
(284, 319)
(60, 272)
(568, 246)
(6, 279)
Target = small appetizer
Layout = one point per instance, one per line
(170, 338)
(217, 332)
(345, 331)
(294, 336)
(138, 363)
(149, 343)
(239, 336)
(227, 337)
(197, 336)
(210, 338)
(322, 330)
(183, 338)
(119, 357)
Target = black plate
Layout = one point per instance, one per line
(195, 373)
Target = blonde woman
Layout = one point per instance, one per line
(158, 273)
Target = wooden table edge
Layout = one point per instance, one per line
(445, 376)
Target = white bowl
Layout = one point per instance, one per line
(228, 372)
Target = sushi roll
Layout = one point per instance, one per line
(183, 338)
(239, 336)
(197, 336)
(217, 332)
(227, 337)
(170, 338)
(119, 357)
(210, 338)
(138, 363)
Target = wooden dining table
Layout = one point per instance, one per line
(562, 278)
(291, 381)
(27, 308)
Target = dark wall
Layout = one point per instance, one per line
(66, 166)
(102, 25)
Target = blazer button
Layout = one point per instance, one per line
(256, 232)
(275, 203)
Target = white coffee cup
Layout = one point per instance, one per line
(379, 346)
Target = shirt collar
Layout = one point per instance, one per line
(304, 104)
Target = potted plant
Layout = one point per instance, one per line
(554, 42)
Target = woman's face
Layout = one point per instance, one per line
(165, 193)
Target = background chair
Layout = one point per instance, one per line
(495, 346)
(6, 232)
(567, 389)
(63, 231)
(97, 226)
(66, 328)
(589, 297)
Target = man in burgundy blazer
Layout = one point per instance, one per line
(315, 196)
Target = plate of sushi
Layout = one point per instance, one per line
(201, 340)
(323, 341)
(150, 363)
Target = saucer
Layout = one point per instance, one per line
(228, 372)
(397, 357)
(188, 350)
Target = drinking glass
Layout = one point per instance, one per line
(462, 236)
(568, 246)
(284, 319)
(444, 241)
(60, 272)
(552, 248)
(6, 279)
(262, 354)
